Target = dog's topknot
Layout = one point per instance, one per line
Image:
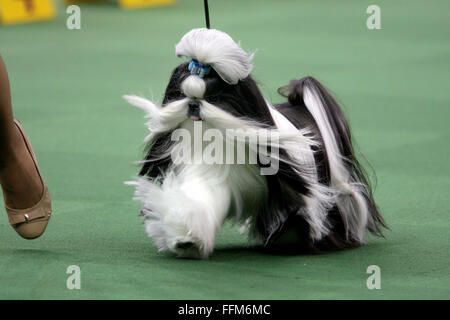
(217, 49)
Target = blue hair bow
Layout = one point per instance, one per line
(196, 68)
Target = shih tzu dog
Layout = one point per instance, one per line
(218, 150)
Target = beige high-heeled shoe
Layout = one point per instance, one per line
(30, 223)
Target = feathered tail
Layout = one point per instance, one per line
(354, 194)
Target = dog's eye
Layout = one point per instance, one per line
(213, 87)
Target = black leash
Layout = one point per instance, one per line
(206, 13)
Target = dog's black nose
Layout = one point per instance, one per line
(194, 110)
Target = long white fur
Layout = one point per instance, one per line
(214, 195)
(217, 49)
(160, 119)
(350, 201)
(187, 207)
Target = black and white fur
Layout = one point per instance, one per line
(318, 199)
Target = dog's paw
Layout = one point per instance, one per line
(185, 247)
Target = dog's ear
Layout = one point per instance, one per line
(154, 163)
(173, 89)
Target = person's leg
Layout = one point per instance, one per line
(6, 115)
(19, 178)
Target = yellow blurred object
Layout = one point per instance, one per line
(83, 1)
(19, 11)
(134, 4)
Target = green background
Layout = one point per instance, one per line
(67, 87)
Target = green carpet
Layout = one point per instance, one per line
(67, 87)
